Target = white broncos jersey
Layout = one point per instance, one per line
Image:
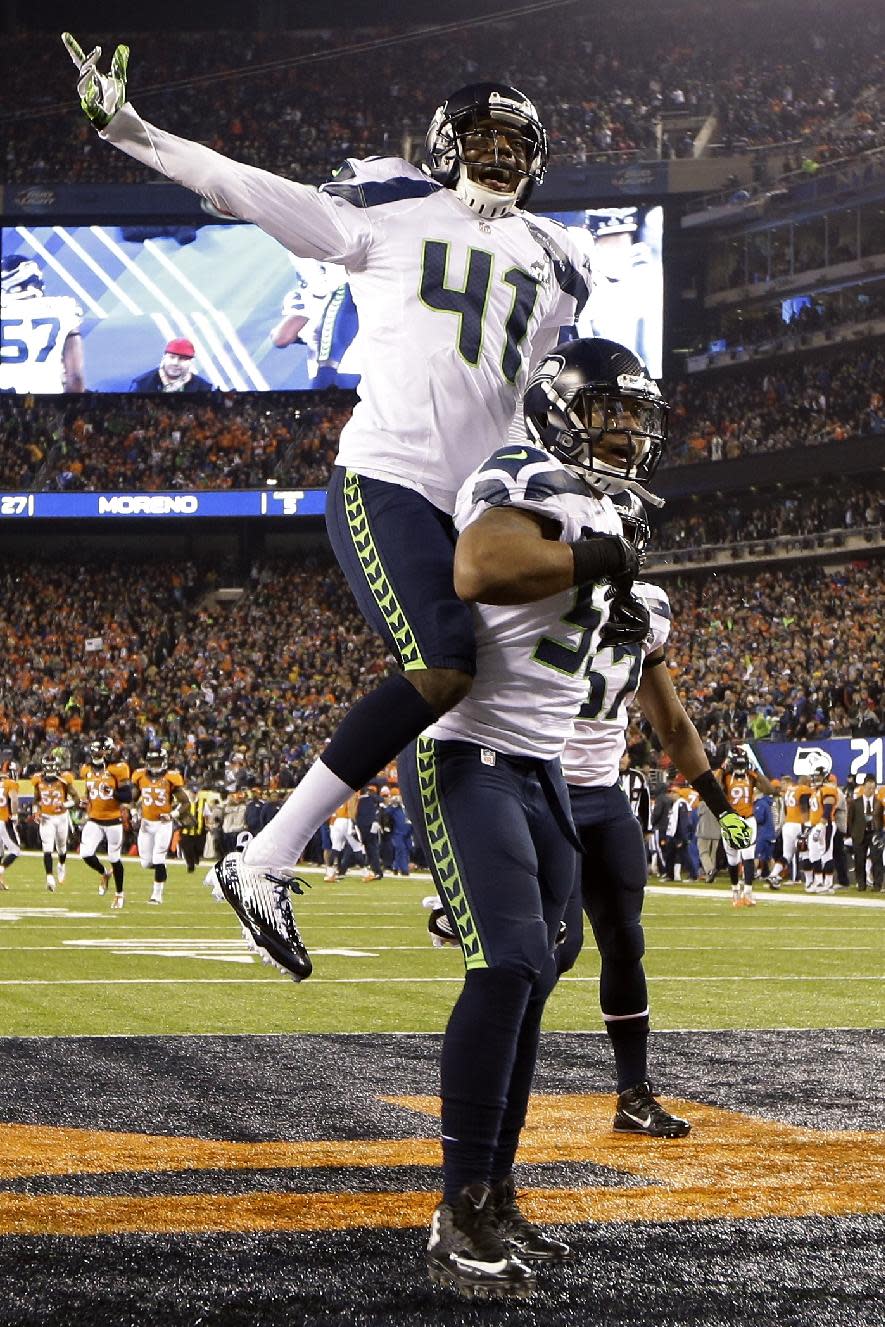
(34, 334)
(453, 310)
(593, 752)
(532, 659)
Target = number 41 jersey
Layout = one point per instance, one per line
(592, 754)
(452, 308)
(532, 659)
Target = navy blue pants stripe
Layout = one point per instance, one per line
(397, 552)
(515, 865)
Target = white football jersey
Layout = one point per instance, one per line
(593, 752)
(531, 659)
(453, 309)
(317, 298)
(32, 347)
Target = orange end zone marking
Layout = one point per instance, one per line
(732, 1166)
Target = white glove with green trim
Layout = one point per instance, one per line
(101, 95)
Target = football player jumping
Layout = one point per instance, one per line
(459, 293)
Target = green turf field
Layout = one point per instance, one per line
(69, 966)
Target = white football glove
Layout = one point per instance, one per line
(101, 95)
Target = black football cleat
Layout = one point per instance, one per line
(526, 1240)
(640, 1112)
(260, 898)
(442, 933)
(466, 1253)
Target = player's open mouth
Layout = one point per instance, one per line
(499, 178)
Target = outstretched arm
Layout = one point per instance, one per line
(309, 223)
(680, 739)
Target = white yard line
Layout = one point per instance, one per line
(384, 981)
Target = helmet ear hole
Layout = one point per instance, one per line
(617, 448)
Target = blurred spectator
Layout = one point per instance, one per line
(601, 84)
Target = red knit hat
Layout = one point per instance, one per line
(181, 346)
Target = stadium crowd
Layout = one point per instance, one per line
(266, 677)
(805, 511)
(765, 408)
(143, 651)
(738, 329)
(792, 655)
(167, 442)
(243, 440)
(601, 83)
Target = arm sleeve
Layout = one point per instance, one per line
(307, 222)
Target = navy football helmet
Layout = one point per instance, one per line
(20, 277)
(157, 759)
(101, 752)
(476, 112)
(594, 405)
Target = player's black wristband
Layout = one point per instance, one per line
(711, 790)
(601, 556)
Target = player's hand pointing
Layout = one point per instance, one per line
(101, 95)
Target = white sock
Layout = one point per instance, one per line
(284, 839)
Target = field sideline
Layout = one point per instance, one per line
(69, 966)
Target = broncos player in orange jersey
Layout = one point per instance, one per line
(9, 847)
(157, 788)
(107, 787)
(796, 795)
(740, 782)
(54, 795)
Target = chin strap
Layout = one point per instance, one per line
(611, 484)
(484, 202)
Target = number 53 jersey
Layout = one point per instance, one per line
(531, 659)
(451, 308)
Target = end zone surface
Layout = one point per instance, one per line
(289, 1179)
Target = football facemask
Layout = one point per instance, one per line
(157, 760)
(100, 752)
(593, 405)
(487, 143)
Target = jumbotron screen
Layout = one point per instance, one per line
(232, 310)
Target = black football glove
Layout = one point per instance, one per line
(629, 621)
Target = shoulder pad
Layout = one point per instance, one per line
(378, 180)
(655, 598)
(515, 475)
(569, 267)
